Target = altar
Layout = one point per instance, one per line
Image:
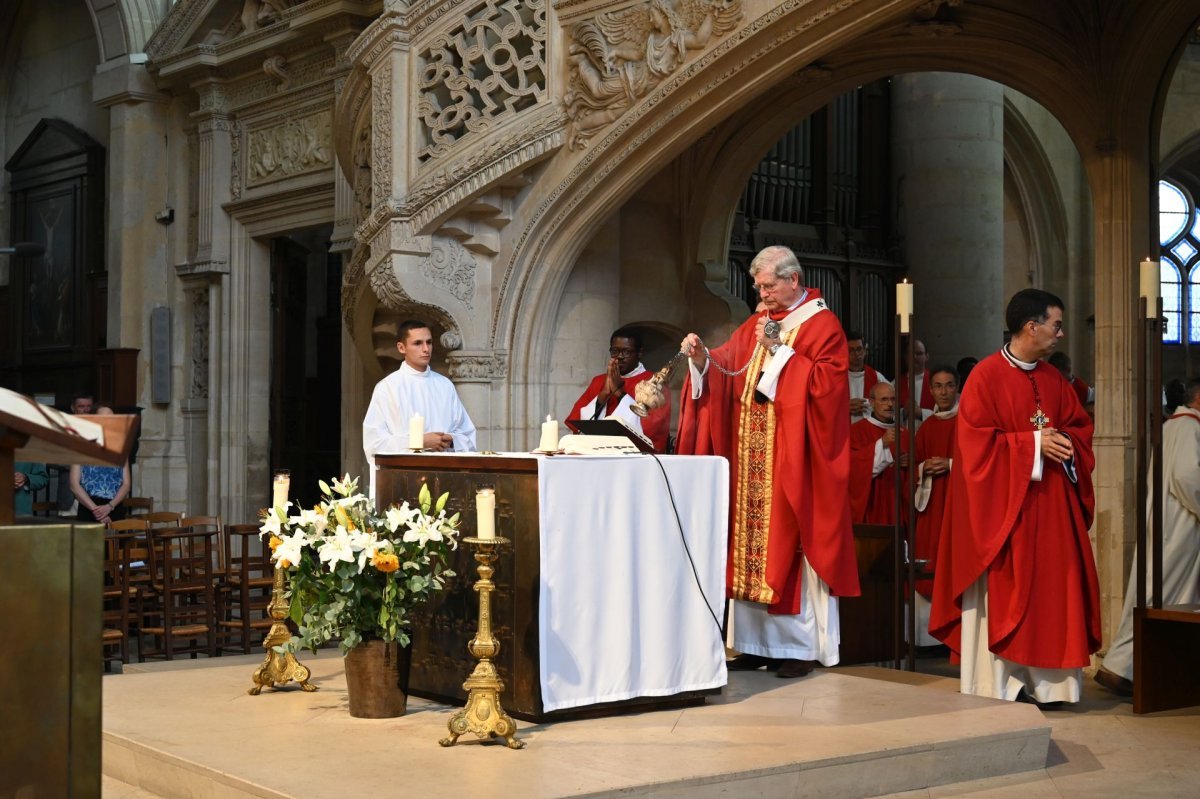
(610, 593)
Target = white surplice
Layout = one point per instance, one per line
(406, 392)
(1181, 534)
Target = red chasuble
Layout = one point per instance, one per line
(655, 426)
(924, 401)
(1031, 537)
(935, 439)
(789, 460)
(873, 499)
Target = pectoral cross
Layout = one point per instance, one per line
(1040, 419)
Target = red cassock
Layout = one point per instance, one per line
(1081, 388)
(873, 499)
(935, 439)
(655, 426)
(1031, 537)
(789, 460)
(926, 398)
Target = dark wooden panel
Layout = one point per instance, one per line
(1166, 657)
(867, 620)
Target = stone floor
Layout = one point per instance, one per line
(856, 731)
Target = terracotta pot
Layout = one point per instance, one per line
(377, 679)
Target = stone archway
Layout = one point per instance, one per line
(124, 26)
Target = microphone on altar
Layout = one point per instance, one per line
(24, 249)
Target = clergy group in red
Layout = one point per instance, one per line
(1003, 504)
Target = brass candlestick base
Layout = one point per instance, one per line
(483, 714)
(278, 669)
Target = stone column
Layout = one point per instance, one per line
(948, 163)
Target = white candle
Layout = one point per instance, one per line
(1151, 275)
(549, 441)
(416, 432)
(904, 303)
(279, 493)
(485, 513)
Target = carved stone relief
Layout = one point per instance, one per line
(261, 13)
(488, 69)
(450, 267)
(290, 148)
(381, 120)
(477, 366)
(235, 166)
(362, 175)
(617, 57)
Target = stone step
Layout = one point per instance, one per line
(191, 730)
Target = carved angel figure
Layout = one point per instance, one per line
(617, 57)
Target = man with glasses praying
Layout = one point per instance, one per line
(611, 395)
(773, 400)
(1015, 593)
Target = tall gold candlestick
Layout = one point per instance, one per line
(278, 669)
(483, 714)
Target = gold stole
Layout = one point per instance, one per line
(755, 486)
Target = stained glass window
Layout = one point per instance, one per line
(1179, 235)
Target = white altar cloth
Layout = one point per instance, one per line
(620, 613)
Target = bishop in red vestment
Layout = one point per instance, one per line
(611, 395)
(873, 459)
(784, 425)
(1015, 591)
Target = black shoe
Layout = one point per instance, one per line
(1114, 682)
(750, 663)
(1029, 700)
(791, 669)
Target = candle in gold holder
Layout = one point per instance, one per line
(483, 714)
(485, 512)
(278, 669)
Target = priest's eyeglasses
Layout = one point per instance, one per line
(617, 352)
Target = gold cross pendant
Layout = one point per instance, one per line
(1039, 419)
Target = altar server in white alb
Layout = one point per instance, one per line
(415, 390)
(1181, 537)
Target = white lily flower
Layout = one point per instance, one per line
(346, 486)
(272, 524)
(423, 531)
(290, 547)
(403, 515)
(336, 548)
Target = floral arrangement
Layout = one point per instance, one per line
(356, 574)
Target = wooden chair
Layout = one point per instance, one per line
(45, 509)
(137, 575)
(249, 578)
(183, 571)
(164, 518)
(139, 506)
(121, 597)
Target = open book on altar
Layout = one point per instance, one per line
(42, 434)
(603, 436)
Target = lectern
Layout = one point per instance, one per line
(50, 600)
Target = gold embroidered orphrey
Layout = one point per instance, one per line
(755, 486)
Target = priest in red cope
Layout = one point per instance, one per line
(610, 395)
(934, 460)
(1015, 593)
(874, 457)
(784, 425)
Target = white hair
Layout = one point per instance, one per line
(780, 259)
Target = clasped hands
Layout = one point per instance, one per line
(438, 442)
(935, 466)
(1057, 445)
(613, 384)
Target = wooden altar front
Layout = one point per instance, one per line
(440, 661)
